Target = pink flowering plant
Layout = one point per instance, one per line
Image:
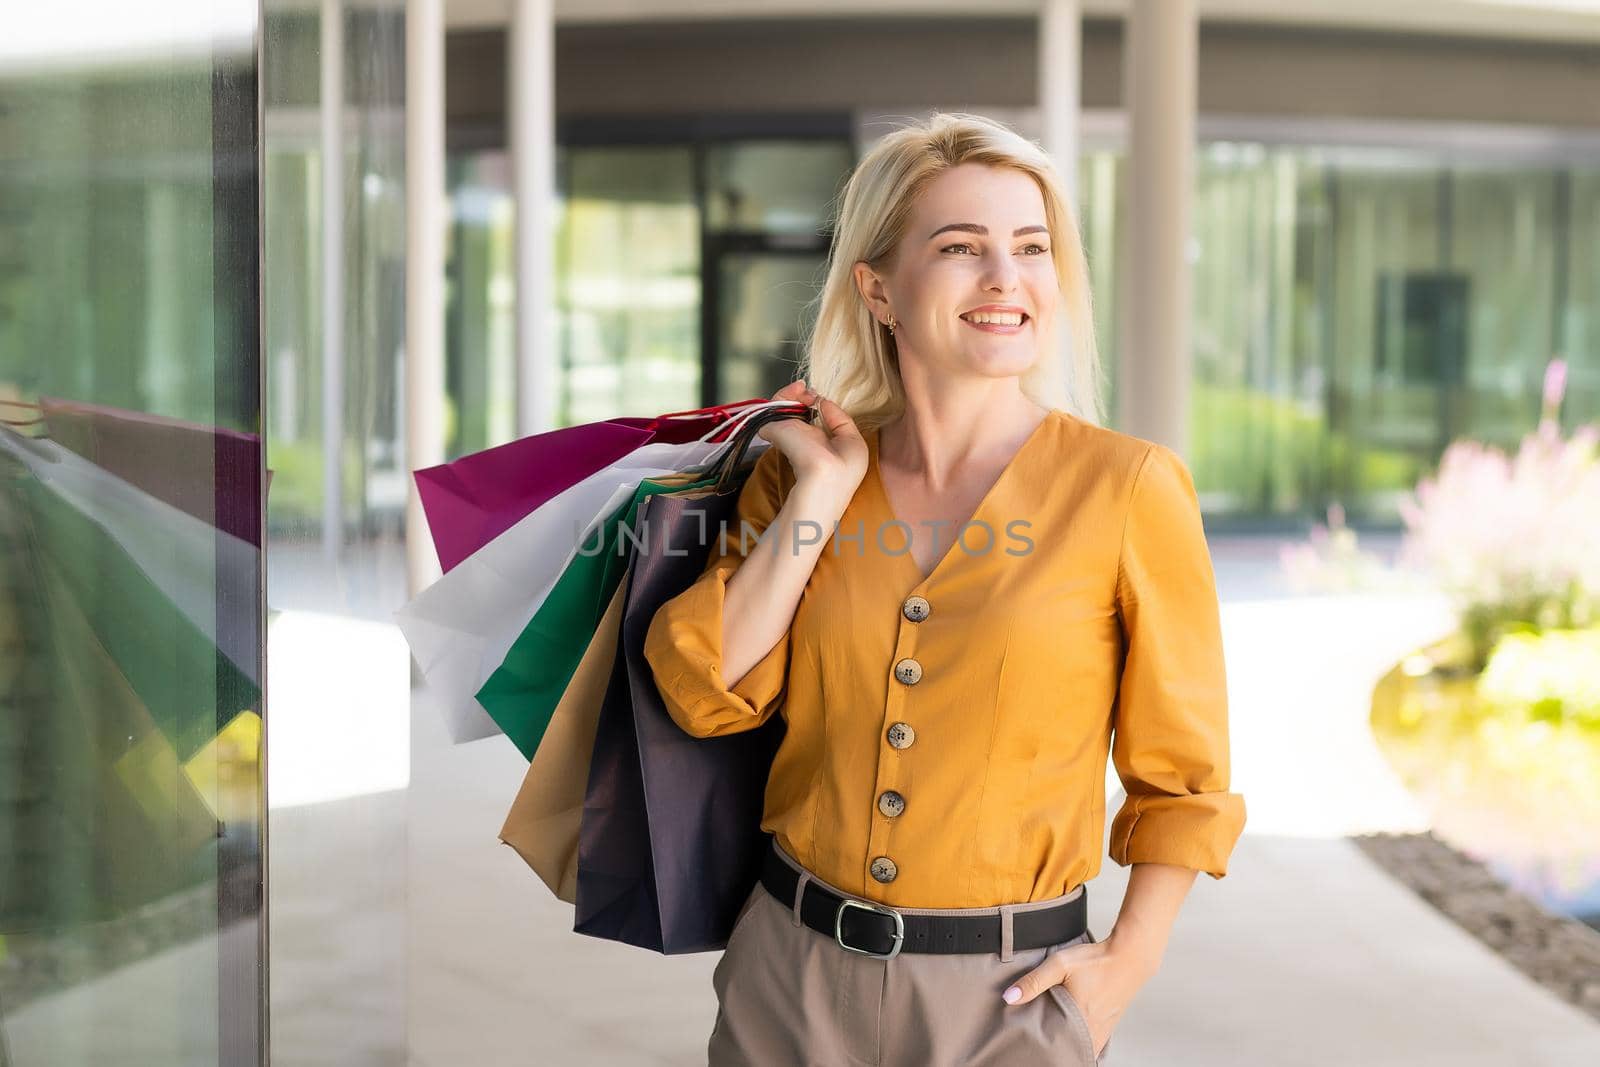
(1514, 541)
(1331, 560)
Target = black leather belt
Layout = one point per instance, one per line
(874, 929)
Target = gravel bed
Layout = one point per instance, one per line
(1557, 951)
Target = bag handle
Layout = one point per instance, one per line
(700, 413)
(734, 456)
(750, 410)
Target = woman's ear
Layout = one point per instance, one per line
(869, 283)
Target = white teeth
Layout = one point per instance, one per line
(997, 318)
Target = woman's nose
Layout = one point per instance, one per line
(1001, 276)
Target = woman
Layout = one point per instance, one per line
(962, 595)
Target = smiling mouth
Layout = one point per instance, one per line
(1025, 319)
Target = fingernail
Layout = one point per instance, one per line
(1012, 995)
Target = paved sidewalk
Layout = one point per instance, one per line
(1307, 953)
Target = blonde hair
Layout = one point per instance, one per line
(850, 357)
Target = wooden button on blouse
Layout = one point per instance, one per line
(884, 870)
(901, 735)
(916, 608)
(891, 803)
(908, 671)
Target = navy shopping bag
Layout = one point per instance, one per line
(670, 841)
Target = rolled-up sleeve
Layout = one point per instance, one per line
(683, 644)
(1170, 735)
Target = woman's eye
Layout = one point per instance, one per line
(1041, 250)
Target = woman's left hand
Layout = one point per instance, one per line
(1101, 976)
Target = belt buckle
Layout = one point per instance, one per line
(867, 905)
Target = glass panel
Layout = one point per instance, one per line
(628, 283)
(766, 307)
(1580, 312)
(1501, 244)
(1099, 225)
(775, 187)
(1400, 334)
(1257, 433)
(130, 534)
(480, 304)
(1357, 309)
(339, 709)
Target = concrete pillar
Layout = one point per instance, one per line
(1060, 79)
(1158, 89)
(426, 217)
(331, 127)
(1060, 82)
(531, 113)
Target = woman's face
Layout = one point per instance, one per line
(977, 240)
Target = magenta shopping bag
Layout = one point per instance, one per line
(472, 500)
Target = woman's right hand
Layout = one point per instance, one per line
(832, 455)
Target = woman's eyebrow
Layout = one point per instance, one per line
(983, 231)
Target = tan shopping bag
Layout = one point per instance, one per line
(542, 825)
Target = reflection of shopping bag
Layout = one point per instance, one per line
(145, 617)
(158, 818)
(193, 564)
(462, 627)
(206, 471)
(472, 500)
(670, 842)
(542, 825)
(125, 823)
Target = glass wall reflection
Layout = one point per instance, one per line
(628, 271)
(130, 520)
(684, 271)
(1357, 309)
(333, 282)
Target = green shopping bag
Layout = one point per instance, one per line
(523, 692)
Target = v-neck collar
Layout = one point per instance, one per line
(1007, 474)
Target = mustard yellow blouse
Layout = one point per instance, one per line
(947, 737)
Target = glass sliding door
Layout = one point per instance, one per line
(131, 481)
(768, 227)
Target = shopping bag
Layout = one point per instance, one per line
(542, 825)
(472, 500)
(670, 841)
(521, 694)
(461, 627)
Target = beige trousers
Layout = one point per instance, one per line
(788, 995)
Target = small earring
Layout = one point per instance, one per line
(891, 324)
